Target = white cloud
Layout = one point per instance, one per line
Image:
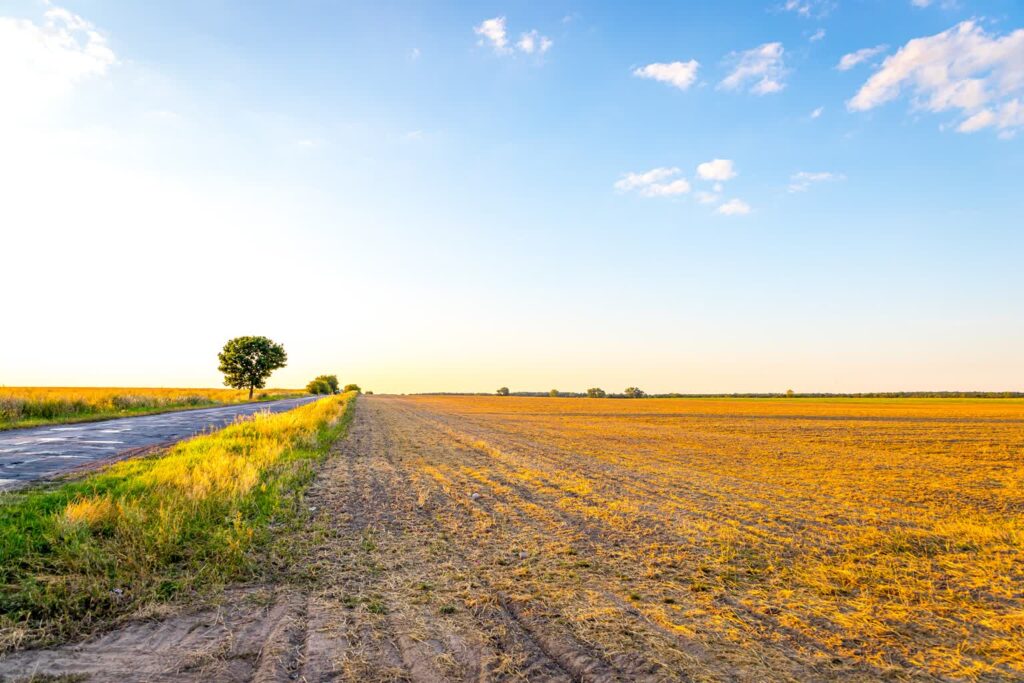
(414, 54)
(43, 62)
(658, 182)
(680, 74)
(817, 112)
(707, 197)
(734, 207)
(920, 3)
(493, 32)
(534, 42)
(669, 189)
(963, 69)
(848, 61)
(802, 181)
(762, 66)
(818, 35)
(807, 8)
(716, 169)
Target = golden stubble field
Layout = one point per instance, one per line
(511, 539)
(765, 535)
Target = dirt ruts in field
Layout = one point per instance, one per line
(436, 552)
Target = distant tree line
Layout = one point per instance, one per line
(634, 392)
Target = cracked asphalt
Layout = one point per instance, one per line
(28, 455)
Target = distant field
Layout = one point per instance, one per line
(765, 539)
(32, 406)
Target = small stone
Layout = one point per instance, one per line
(475, 496)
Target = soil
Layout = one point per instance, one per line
(415, 569)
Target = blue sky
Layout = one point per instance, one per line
(415, 197)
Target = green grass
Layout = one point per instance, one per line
(185, 522)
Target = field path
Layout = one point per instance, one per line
(41, 452)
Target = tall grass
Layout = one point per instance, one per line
(31, 406)
(151, 529)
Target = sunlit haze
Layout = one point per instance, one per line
(682, 196)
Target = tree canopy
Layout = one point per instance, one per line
(247, 362)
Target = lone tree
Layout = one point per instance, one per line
(595, 392)
(248, 361)
(553, 393)
(503, 391)
(352, 387)
(633, 392)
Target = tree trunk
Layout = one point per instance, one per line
(250, 392)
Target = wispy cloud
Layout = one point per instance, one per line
(963, 69)
(734, 207)
(40, 62)
(493, 32)
(532, 41)
(817, 112)
(809, 8)
(762, 68)
(848, 61)
(802, 181)
(679, 74)
(415, 54)
(658, 182)
(817, 35)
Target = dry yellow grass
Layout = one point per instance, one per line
(28, 406)
(152, 528)
(885, 532)
(105, 395)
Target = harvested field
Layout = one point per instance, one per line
(478, 538)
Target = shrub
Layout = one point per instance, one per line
(319, 386)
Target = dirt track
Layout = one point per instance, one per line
(419, 568)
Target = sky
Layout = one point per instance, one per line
(744, 195)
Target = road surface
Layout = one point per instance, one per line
(42, 452)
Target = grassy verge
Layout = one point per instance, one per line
(36, 407)
(151, 530)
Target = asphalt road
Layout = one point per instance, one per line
(42, 452)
